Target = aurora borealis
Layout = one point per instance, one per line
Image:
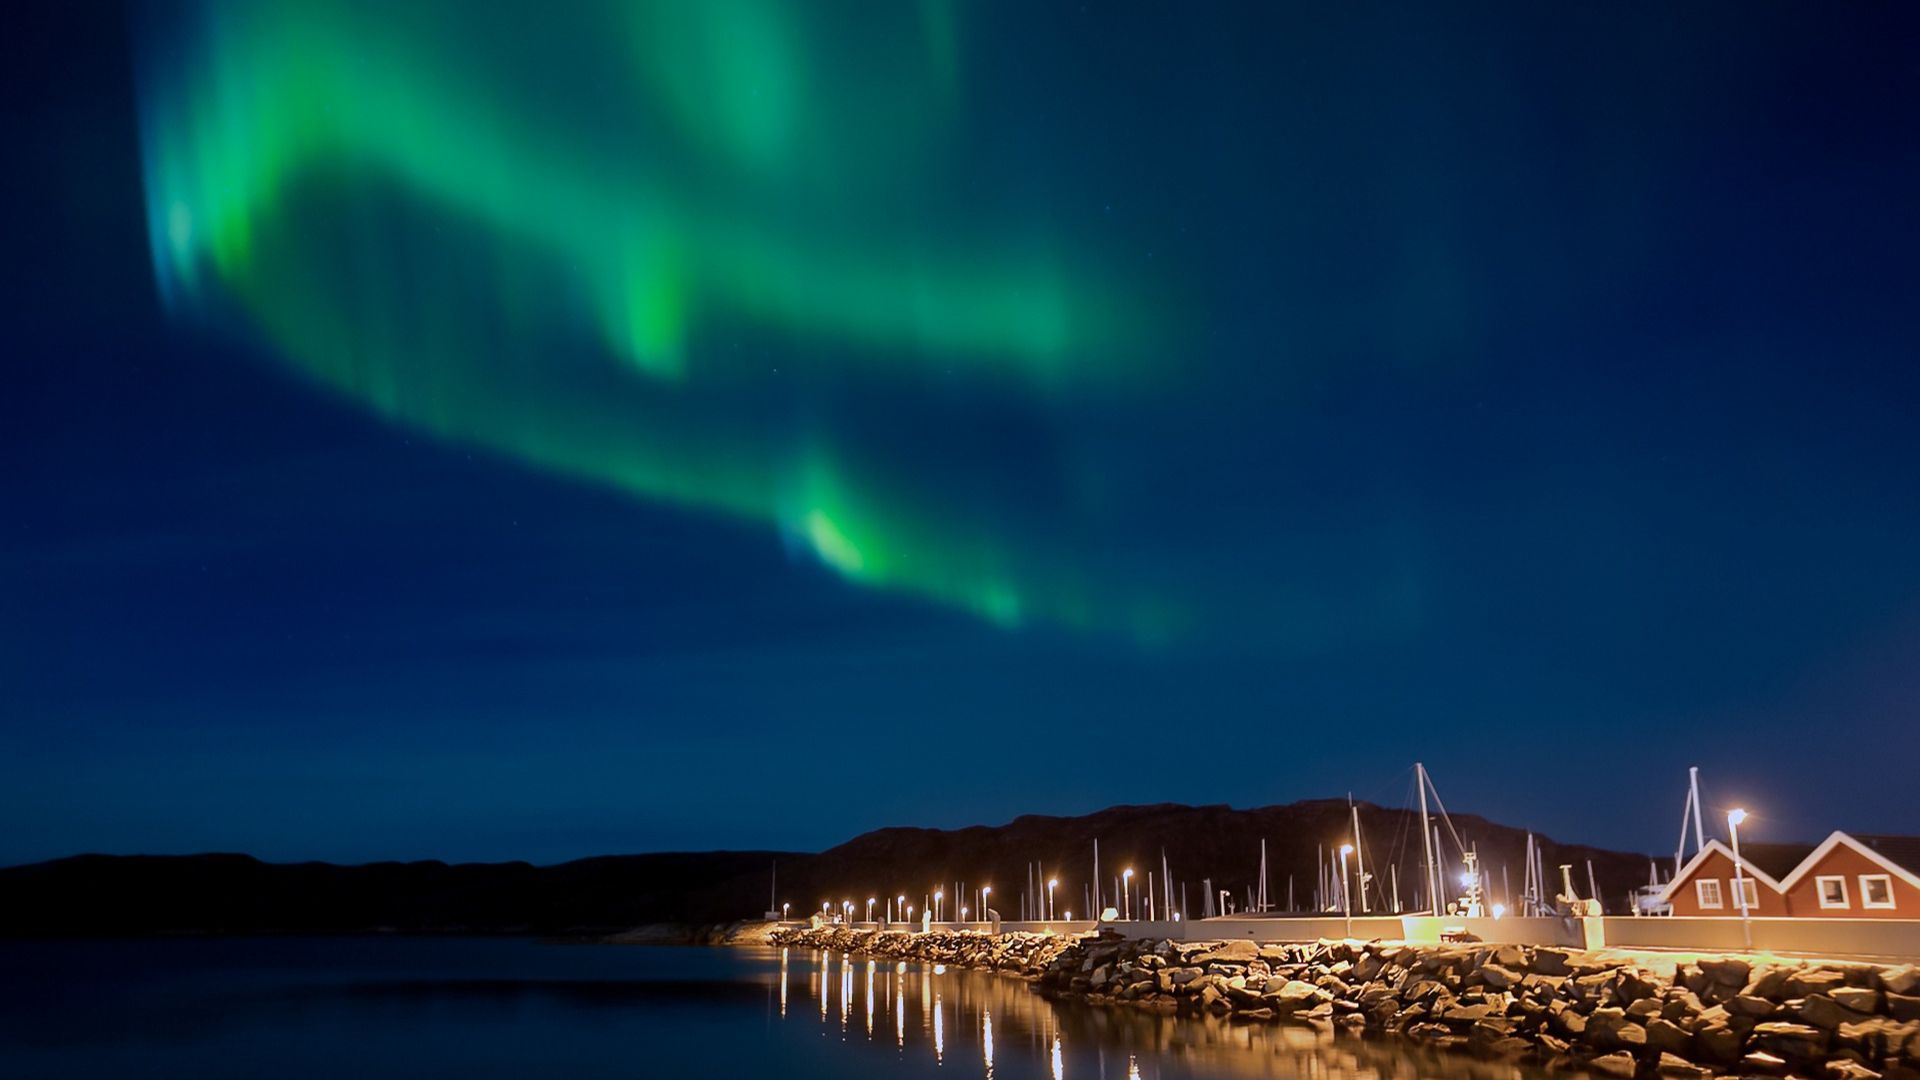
(516, 431)
(507, 239)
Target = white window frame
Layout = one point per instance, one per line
(1700, 892)
(1749, 894)
(1884, 879)
(1820, 892)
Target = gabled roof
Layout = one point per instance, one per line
(1767, 863)
(1775, 861)
(1899, 855)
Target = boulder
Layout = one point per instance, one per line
(1645, 1008)
(1551, 962)
(1815, 981)
(1229, 951)
(1727, 971)
(1616, 1064)
(1718, 1042)
(1667, 1036)
(1825, 1012)
(1500, 977)
(1295, 993)
(1676, 1066)
(1903, 1006)
(1794, 1042)
(1901, 980)
(1860, 999)
(1770, 983)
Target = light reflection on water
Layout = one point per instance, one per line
(319, 1009)
(996, 1026)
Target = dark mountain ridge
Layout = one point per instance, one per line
(238, 894)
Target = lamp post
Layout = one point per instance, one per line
(986, 912)
(963, 913)
(1734, 818)
(1051, 882)
(1126, 893)
(1346, 891)
(784, 908)
(870, 902)
(938, 895)
(847, 907)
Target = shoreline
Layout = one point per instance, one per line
(1564, 1008)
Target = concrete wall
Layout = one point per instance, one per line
(1058, 926)
(1312, 928)
(1875, 939)
(1829, 937)
(1512, 930)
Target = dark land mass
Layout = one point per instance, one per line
(95, 895)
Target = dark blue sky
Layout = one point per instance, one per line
(1539, 404)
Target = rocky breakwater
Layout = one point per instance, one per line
(1028, 955)
(1598, 1011)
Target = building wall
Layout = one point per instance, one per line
(1843, 861)
(1852, 939)
(1686, 899)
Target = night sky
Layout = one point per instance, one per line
(533, 434)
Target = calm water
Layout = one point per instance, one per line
(366, 1008)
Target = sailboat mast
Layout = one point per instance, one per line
(1426, 838)
(1359, 853)
(1693, 789)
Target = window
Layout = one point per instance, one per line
(1749, 894)
(1832, 890)
(1708, 892)
(1876, 891)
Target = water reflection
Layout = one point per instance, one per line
(1013, 1031)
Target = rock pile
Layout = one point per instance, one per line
(1029, 955)
(1586, 1010)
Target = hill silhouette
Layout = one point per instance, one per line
(238, 894)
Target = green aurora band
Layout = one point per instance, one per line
(592, 236)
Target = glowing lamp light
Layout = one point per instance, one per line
(1346, 849)
(1735, 817)
(1499, 910)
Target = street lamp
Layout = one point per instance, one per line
(847, 906)
(870, 902)
(963, 913)
(1346, 890)
(900, 906)
(784, 908)
(986, 891)
(1734, 818)
(1126, 893)
(1051, 882)
(938, 895)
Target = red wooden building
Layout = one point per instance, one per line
(1858, 877)
(1844, 876)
